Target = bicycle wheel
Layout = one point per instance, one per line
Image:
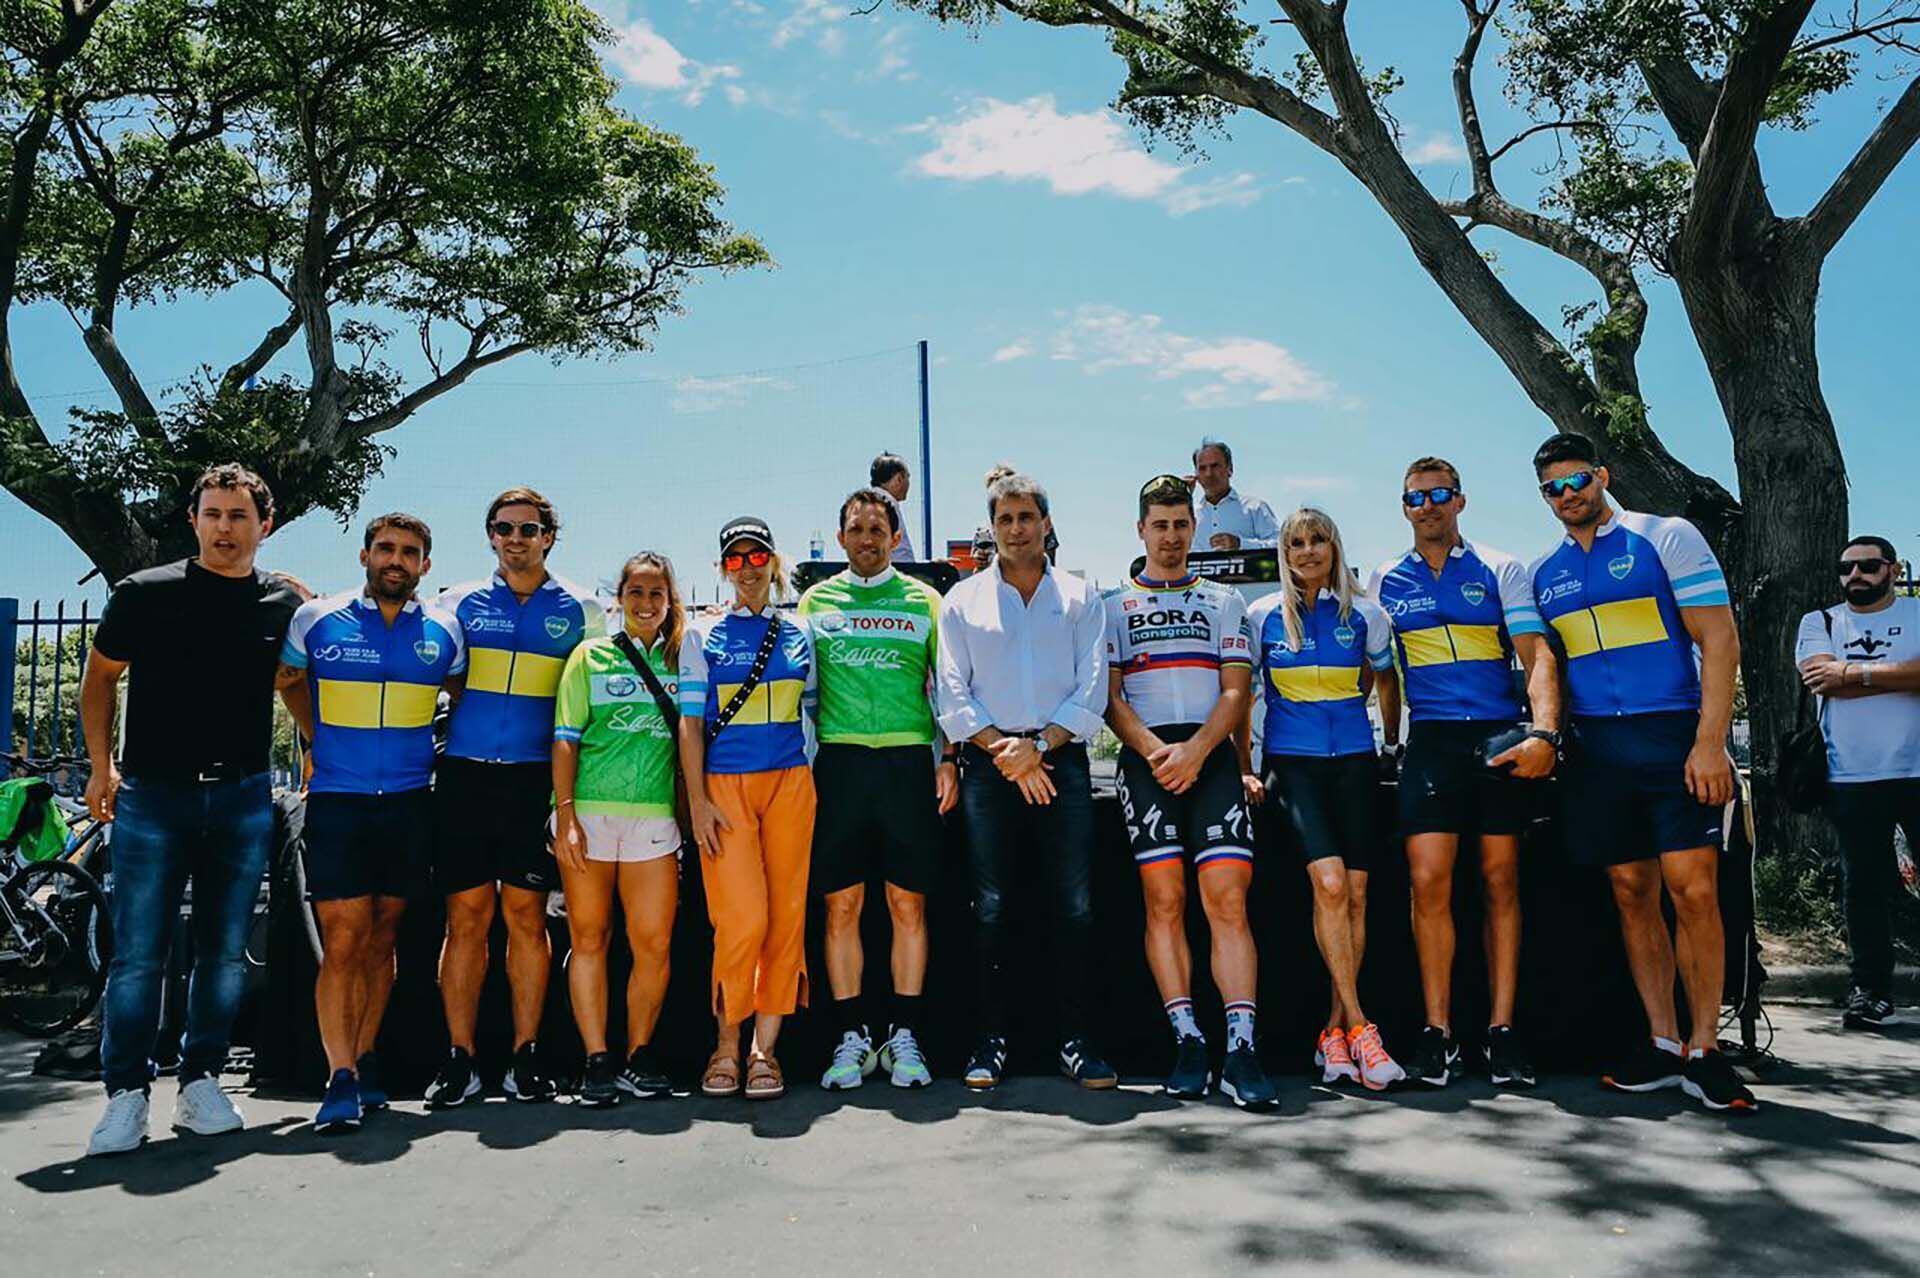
(67, 930)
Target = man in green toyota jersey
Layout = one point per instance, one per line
(883, 776)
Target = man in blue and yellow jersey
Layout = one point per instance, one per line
(494, 788)
(1642, 611)
(361, 674)
(1461, 611)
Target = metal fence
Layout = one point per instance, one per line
(42, 655)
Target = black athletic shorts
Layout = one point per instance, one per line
(1325, 806)
(490, 825)
(1209, 823)
(1445, 788)
(1623, 791)
(369, 845)
(875, 810)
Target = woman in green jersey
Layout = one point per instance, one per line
(614, 767)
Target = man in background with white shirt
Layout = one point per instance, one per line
(1863, 656)
(1223, 519)
(1022, 683)
(889, 474)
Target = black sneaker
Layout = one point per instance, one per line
(1244, 1082)
(1507, 1063)
(1080, 1062)
(525, 1080)
(457, 1083)
(988, 1063)
(643, 1077)
(1191, 1073)
(598, 1085)
(1647, 1069)
(1867, 1011)
(1710, 1079)
(1436, 1058)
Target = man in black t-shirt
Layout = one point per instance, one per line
(190, 800)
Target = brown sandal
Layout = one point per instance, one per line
(722, 1077)
(764, 1081)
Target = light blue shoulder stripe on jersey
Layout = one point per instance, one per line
(563, 733)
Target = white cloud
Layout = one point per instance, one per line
(1233, 370)
(815, 20)
(890, 60)
(1012, 351)
(1435, 148)
(1075, 154)
(713, 394)
(644, 58)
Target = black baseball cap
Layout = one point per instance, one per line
(751, 527)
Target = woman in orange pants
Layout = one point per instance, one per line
(746, 678)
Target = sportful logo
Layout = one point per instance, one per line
(557, 627)
(1474, 593)
(1620, 567)
(428, 650)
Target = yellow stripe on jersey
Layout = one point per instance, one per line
(1427, 647)
(1577, 633)
(1317, 683)
(1477, 643)
(410, 705)
(777, 701)
(1628, 623)
(349, 704)
(488, 669)
(1444, 645)
(534, 675)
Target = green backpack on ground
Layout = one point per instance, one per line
(30, 820)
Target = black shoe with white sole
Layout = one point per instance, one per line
(1085, 1066)
(1647, 1069)
(525, 1080)
(1191, 1073)
(1436, 1058)
(1867, 1011)
(1507, 1063)
(1244, 1082)
(456, 1084)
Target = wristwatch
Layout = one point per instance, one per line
(1041, 745)
(1549, 736)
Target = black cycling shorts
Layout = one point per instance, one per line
(876, 810)
(1623, 792)
(1209, 822)
(490, 825)
(1445, 788)
(1325, 806)
(369, 845)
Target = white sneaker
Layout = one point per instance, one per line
(203, 1109)
(123, 1126)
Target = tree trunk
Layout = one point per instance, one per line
(1754, 321)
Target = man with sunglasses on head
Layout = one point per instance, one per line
(1461, 612)
(1180, 662)
(493, 789)
(1633, 598)
(1864, 660)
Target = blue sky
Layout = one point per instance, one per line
(1094, 308)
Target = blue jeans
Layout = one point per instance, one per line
(1003, 830)
(165, 833)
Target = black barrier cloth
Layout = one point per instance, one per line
(1576, 1005)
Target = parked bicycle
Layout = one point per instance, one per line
(55, 923)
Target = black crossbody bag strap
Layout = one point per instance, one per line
(668, 710)
(738, 701)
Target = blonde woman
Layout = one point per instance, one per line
(1316, 644)
(615, 764)
(746, 677)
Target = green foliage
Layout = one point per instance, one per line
(41, 667)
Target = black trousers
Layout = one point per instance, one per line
(1865, 813)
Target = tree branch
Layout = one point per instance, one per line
(411, 403)
(1479, 161)
(271, 344)
(1869, 168)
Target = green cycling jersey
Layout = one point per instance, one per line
(627, 751)
(873, 639)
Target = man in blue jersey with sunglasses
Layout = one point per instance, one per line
(1461, 612)
(1643, 615)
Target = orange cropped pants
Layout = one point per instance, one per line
(757, 891)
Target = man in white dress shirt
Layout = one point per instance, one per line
(1223, 519)
(1022, 682)
(889, 474)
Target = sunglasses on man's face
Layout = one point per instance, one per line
(1577, 482)
(1439, 495)
(734, 561)
(507, 528)
(1867, 566)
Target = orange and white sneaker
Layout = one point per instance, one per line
(1335, 1062)
(1377, 1069)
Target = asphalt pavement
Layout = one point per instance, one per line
(1036, 1177)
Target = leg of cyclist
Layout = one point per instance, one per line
(1223, 896)
(589, 893)
(649, 897)
(1333, 933)
(1500, 884)
(339, 996)
(846, 961)
(1692, 880)
(1357, 932)
(908, 913)
(1163, 884)
(1430, 859)
(1643, 930)
(463, 960)
(529, 958)
(382, 937)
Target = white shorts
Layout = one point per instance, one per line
(626, 839)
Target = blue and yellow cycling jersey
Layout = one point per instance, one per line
(515, 653)
(715, 656)
(1617, 609)
(1453, 632)
(374, 688)
(1314, 697)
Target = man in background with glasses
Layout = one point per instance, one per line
(493, 790)
(1223, 519)
(1460, 613)
(1632, 597)
(1863, 657)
